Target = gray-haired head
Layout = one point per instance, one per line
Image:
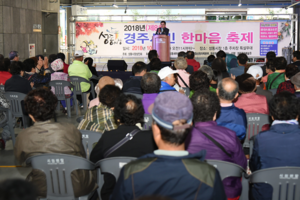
(228, 88)
(208, 70)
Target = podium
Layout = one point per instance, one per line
(161, 43)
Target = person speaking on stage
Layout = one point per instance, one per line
(162, 30)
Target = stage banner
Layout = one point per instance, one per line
(134, 39)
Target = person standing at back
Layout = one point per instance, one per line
(191, 60)
(78, 68)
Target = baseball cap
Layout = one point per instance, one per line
(12, 55)
(256, 71)
(169, 107)
(78, 53)
(296, 79)
(166, 71)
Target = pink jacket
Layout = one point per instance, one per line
(253, 103)
(185, 76)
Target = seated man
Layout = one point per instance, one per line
(17, 189)
(51, 137)
(296, 81)
(6, 135)
(105, 80)
(230, 116)
(4, 73)
(257, 72)
(191, 60)
(206, 106)
(17, 83)
(133, 85)
(249, 101)
(78, 68)
(242, 60)
(150, 83)
(128, 111)
(167, 78)
(198, 81)
(100, 118)
(279, 146)
(170, 171)
(183, 76)
(287, 85)
(278, 76)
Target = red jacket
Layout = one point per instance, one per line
(194, 63)
(4, 76)
(253, 103)
(66, 67)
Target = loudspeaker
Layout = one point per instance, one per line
(116, 65)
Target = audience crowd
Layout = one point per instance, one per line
(198, 113)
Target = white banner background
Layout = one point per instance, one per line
(99, 39)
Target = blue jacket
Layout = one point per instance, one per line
(277, 147)
(166, 87)
(235, 119)
(180, 178)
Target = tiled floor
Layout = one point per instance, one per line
(9, 168)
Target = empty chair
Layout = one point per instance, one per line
(15, 99)
(284, 180)
(76, 80)
(255, 123)
(148, 122)
(112, 166)
(59, 89)
(88, 140)
(186, 91)
(227, 169)
(8, 121)
(58, 169)
(273, 91)
(139, 96)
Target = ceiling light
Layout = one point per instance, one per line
(240, 3)
(116, 6)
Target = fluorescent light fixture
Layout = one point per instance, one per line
(116, 6)
(240, 3)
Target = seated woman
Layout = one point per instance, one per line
(58, 66)
(51, 137)
(128, 111)
(4, 73)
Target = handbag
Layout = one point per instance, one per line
(128, 137)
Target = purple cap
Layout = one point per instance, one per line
(12, 55)
(171, 106)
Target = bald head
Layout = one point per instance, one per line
(105, 80)
(228, 89)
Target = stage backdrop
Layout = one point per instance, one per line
(134, 39)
